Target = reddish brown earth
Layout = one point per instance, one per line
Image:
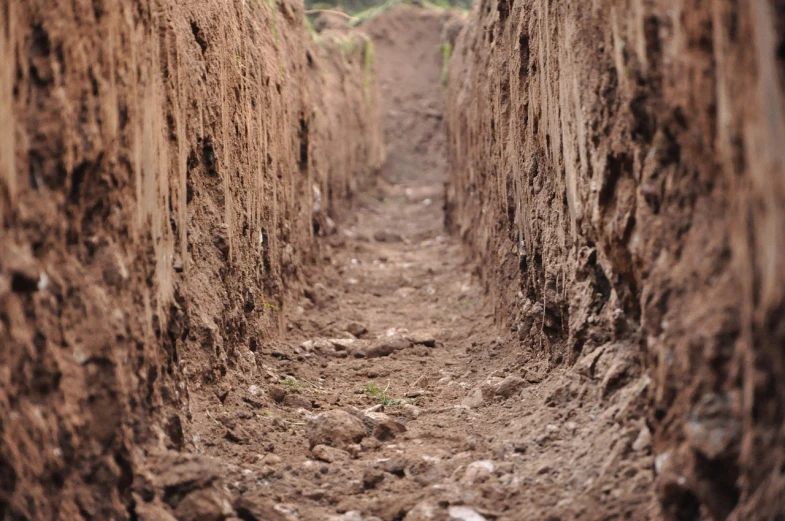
(618, 168)
(157, 198)
(211, 308)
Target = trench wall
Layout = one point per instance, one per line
(622, 164)
(164, 166)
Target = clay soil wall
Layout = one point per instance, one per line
(164, 166)
(622, 163)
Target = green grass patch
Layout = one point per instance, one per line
(380, 395)
(446, 55)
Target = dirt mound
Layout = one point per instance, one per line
(621, 166)
(163, 164)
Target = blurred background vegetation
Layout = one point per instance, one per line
(361, 7)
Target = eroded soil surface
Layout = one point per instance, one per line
(467, 420)
(394, 395)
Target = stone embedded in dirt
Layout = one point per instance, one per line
(372, 476)
(152, 512)
(425, 510)
(257, 508)
(330, 454)
(478, 472)
(384, 427)
(298, 401)
(343, 344)
(464, 513)
(335, 428)
(396, 466)
(474, 399)
(357, 329)
(421, 351)
(315, 494)
(425, 338)
(271, 459)
(386, 346)
(351, 515)
(277, 393)
(585, 365)
(319, 345)
(411, 411)
(509, 386)
(210, 504)
(489, 387)
(386, 236)
(643, 441)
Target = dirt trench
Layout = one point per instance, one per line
(255, 273)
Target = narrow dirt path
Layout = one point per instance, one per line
(468, 426)
(394, 395)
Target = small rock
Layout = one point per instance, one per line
(259, 509)
(335, 429)
(330, 454)
(643, 441)
(319, 345)
(351, 515)
(372, 477)
(152, 512)
(383, 426)
(464, 513)
(396, 466)
(474, 399)
(277, 393)
(478, 471)
(423, 511)
(544, 469)
(271, 459)
(424, 338)
(386, 236)
(209, 504)
(315, 494)
(509, 386)
(489, 386)
(386, 347)
(357, 329)
(411, 411)
(343, 344)
(297, 401)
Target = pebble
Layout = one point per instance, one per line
(643, 441)
(351, 515)
(330, 454)
(335, 428)
(509, 386)
(372, 477)
(411, 411)
(271, 459)
(425, 338)
(357, 329)
(383, 426)
(386, 347)
(422, 511)
(478, 471)
(385, 236)
(297, 401)
(464, 513)
(474, 399)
